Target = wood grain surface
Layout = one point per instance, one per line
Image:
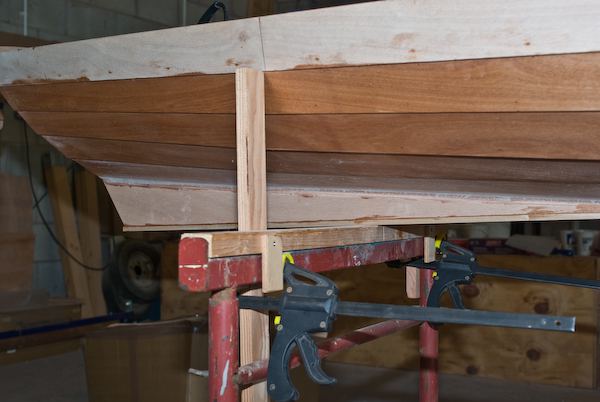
(520, 84)
(251, 194)
(568, 82)
(186, 206)
(516, 135)
(186, 94)
(226, 244)
(405, 32)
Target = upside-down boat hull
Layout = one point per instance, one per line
(495, 116)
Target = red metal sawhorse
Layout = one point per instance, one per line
(199, 273)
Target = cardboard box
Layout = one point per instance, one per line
(147, 362)
(150, 363)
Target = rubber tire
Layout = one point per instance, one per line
(143, 279)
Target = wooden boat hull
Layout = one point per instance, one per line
(490, 139)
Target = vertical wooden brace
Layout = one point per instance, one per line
(413, 286)
(251, 155)
(252, 208)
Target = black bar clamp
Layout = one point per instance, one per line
(459, 266)
(305, 308)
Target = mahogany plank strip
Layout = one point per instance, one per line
(144, 152)
(214, 130)
(534, 84)
(434, 167)
(130, 153)
(510, 135)
(571, 135)
(568, 82)
(182, 94)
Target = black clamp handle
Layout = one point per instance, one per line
(457, 266)
(305, 308)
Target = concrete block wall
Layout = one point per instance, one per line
(47, 271)
(68, 20)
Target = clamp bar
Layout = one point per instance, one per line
(538, 277)
(458, 316)
(429, 314)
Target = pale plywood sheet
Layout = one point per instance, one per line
(168, 207)
(209, 49)
(401, 31)
(394, 31)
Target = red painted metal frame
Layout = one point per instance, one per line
(198, 273)
(257, 371)
(223, 346)
(428, 348)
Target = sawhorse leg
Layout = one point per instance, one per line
(428, 348)
(223, 346)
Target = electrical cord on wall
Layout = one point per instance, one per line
(43, 218)
(45, 194)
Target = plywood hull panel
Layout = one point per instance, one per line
(194, 207)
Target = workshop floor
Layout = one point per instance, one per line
(367, 384)
(58, 378)
(62, 379)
